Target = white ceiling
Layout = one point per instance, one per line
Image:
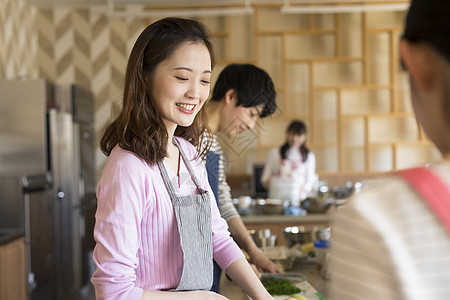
(193, 3)
(54, 3)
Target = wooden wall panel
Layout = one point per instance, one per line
(337, 72)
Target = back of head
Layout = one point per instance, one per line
(428, 21)
(252, 84)
(425, 51)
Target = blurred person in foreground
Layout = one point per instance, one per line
(392, 240)
(242, 94)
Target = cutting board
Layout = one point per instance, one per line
(299, 281)
(307, 290)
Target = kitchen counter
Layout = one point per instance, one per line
(233, 292)
(277, 223)
(8, 235)
(283, 219)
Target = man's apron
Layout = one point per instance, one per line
(212, 168)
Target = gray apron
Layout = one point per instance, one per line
(193, 215)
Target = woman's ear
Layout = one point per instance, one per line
(419, 62)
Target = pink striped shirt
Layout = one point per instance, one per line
(138, 245)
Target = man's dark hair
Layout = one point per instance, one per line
(252, 84)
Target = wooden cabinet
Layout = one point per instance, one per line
(12, 270)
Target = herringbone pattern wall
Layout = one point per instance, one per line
(82, 46)
(65, 46)
(17, 40)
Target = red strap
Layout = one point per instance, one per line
(178, 169)
(435, 192)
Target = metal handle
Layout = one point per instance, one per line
(33, 183)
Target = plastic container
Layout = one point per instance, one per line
(244, 201)
(321, 249)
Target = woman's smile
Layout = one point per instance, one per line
(186, 108)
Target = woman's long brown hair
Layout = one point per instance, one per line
(139, 127)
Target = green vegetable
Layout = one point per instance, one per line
(279, 286)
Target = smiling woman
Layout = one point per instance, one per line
(180, 85)
(155, 237)
(161, 50)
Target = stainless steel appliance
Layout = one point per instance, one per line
(39, 237)
(86, 204)
(47, 189)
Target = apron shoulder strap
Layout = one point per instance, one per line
(165, 175)
(187, 163)
(431, 188)
(166, 179)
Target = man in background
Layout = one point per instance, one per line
(242, 94)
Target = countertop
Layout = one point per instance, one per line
(284, 219)
(277, 223)
(8, 235)
(233, 292)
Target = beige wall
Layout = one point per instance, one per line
(18, 40)
(338, 72)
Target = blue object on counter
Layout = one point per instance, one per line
(294, 211)
(322, 244)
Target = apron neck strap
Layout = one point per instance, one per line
(165, 175)
(188, 165)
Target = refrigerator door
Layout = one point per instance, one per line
(47, 128)
(23, 140)
(23, 134)
(62, 160)
(38, 205)
(83, 113)
(11, 208)
(37, 198)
